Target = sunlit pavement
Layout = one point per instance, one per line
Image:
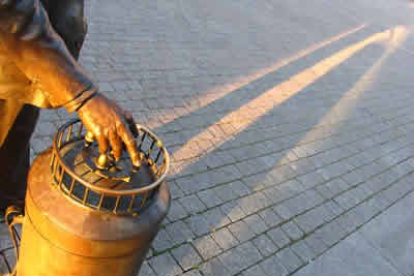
(290, 125)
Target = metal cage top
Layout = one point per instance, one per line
(119, 189)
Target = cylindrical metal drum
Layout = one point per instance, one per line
(82, 220)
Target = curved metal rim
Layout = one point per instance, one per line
(106, 191)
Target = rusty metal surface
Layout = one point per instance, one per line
(85, 242)
(64, 233)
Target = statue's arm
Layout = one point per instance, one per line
(26, 32)
(31, 41)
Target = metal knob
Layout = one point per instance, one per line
(102, 162)
(89, 138)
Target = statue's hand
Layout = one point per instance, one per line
(111, 126)
(16, 14)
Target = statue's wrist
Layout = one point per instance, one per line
(80, 100)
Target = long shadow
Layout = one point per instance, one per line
(261, 103)
(202, 223)
(233, 100)
(294, 106)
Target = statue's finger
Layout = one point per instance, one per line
(102, 142)
(116, 144)
(130, 144)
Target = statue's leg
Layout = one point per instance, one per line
(15, 157)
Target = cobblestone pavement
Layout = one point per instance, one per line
(290, 123)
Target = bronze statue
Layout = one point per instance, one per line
(39, 44)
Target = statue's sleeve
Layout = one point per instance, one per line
(39, 52)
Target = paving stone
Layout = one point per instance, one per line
(303, 251)
(232, 210)
(316, 244)
(241, 231)
(393, 193)
(7, 261)
(5, 240)
(233, 261)
(382, 180)
(334, 170)
(382, 200)
(207, 247)
(311, 179)
(146, 270)
(216, 218)
(283, 211)
(179, 232)
(283, 173)
(278, 237)
(162, 241)
(362, 174)
(175, 190)
(254, 202)
(270, 217)
(289, 259)
(310, 220)
(299, 204)
(210, 198)
(209, 221)
(302, 166)
(226, 193)
(312, 198)
(177, 211)
(325, 212)
(363, 192)
(366, 210)
(332, 188)
(213, 267)
(192, 204)
(224, 238)
(256, 224)
(356, 160)
(349, 221)
(273, 266)
(276, 195)
(186, 256)
(332, 233)
(393, 242)
(292, 230)
(265, 245)
(348, 199)
(291, 187)
(198, 224)
(259, 181)
(249, 253)
(345, 259)
(240, 188)
(255, 270)
(194, 183)
(165, 265)
(403, 168)
(225, 174)
(333, 207)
